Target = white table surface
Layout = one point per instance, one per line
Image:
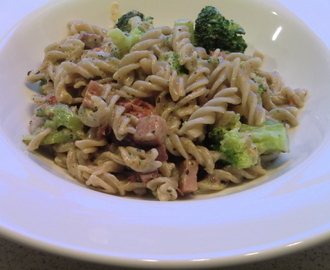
(16, 256)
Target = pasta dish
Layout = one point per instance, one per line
(142, 119)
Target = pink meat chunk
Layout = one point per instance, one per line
(146, 177)
(142, 177)
(91, 41)
(162, 154)
(151, 131)
(188, 176)
(93, 89)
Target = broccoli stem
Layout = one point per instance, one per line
(190, 24)
(124, 42)
(268, 138)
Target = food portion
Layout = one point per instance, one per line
(213, 31)
(168, 111)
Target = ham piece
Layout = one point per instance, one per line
(151, 131)
(146, 177)
(162, 154)
(142, 177)
(188, 176)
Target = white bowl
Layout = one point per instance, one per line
(278, 214)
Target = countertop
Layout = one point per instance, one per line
(16, 256)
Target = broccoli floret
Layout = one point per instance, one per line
(65, 124)
(213, 31)
(123, 21)
(124, 24)
(173, 59)
(60, 115)
(42, 82)
(243, 145)
(239, 149)
(217, 134)
(128, 31)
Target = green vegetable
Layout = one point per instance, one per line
(59, 136)
(217, 134)
(243, 145)
(65, 124)
(268, 138)
(60, 115)
(261, 88)
(213, 31)
(129, 29)
(173, 59)
(42, 82)
(190, 24)
(124, 24)
(124, 42)
(239, 149)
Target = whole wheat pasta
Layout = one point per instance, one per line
(207, 113)
(164, 187)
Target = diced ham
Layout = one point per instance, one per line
(151, 130)
(180, 193)
(162, 154)
(131, 178)
(91, 41)
(188, 176)
(142, 177)
(146, 177)
(138, 107)
(92, 89)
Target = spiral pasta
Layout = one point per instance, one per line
(139, 122)
(164, 188)
(207, 113)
